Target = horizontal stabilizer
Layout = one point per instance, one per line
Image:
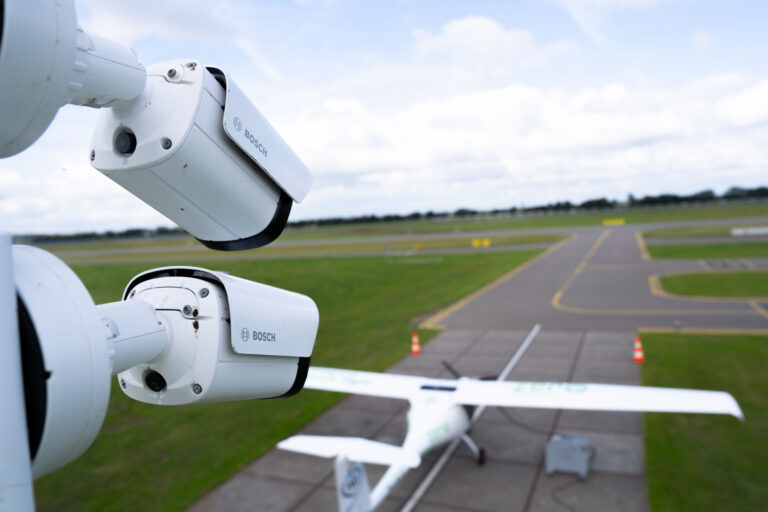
(353, 448)
(595, 397)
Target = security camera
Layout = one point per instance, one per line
(70, 348)
(195, 148)
(181, 335)
(230, 338)
(181, 136)
(47, 61)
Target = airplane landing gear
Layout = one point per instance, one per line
(479, 453)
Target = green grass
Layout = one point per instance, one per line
(529, 221)
(478, 224)
(152, 458)
(309, 249)
(689, 232)
(698, 251)
(718, 284)
(694, 231)
(700, 462)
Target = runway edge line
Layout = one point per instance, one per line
(433, 322)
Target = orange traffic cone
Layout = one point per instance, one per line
(415, 346)
(638, 355)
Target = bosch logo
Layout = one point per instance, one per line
(238, 124)
(245, 334)
(253, 140)
(352, 482)
(269, 337)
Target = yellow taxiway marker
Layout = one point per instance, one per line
(641, 245)
(655, 287)
(433, 322)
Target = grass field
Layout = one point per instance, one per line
(700, 462)
(699, 251)
(718, 284)
(530, 221)
(152, 252)
(476, 224)
(152, 458)
(690, 232)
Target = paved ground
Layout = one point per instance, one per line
(599, 280)
(590, 294)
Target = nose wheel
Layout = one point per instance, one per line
(478, 452)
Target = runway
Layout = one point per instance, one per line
(591, 293)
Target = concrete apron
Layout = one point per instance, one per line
(513, 478)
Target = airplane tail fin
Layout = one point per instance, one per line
(352, 490)
(353, 493)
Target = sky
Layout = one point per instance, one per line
(399, 106)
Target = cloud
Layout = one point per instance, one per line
(128, 22)
(455, 121)
(744, 108)
(702, 41)
(465, 54)
(479, 49)
(479, 39)
(519, 143)
(228, 22)
(591, 15)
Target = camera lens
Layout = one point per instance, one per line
(154, 381)
(125, 142)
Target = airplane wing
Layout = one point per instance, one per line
(595, 397)
(353, 448)
(543, 395)
(388, 385)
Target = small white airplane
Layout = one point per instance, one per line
(438, 415)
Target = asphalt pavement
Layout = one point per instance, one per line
(591, 293)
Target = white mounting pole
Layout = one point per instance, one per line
(16, 492)
(135, 331)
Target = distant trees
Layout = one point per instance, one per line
(745, 193)
(733, 193)
(664, 199)
(600, 203)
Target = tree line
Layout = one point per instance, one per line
(600, 203)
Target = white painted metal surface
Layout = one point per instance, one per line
(251, 131)
(352, 489)
(207, 318)
(184, 163)
(540, 395)
(74, 350)
(16, 493)
(135, 331)
(263, 319)
(47, 61)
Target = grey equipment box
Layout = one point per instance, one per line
(568, 454)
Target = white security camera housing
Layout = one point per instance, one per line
(229, 338)
(181, 335)
(195, 148)
(65, 359)
(47, 61)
